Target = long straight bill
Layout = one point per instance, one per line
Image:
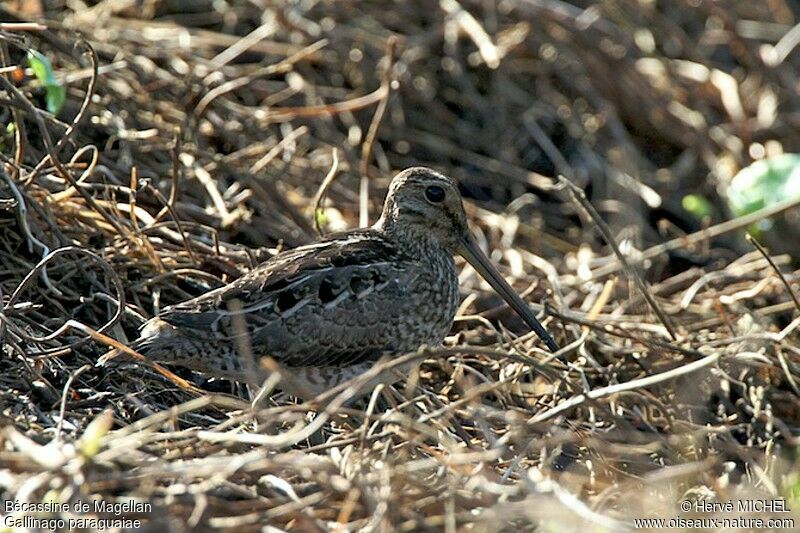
(472, 253)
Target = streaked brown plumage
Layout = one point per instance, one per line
(329, 310)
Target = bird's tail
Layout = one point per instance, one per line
(161, 342)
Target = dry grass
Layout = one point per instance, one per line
(191, 147)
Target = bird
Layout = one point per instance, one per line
(328, 311)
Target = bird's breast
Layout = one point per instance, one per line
(436, 299)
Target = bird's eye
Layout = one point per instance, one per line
(434, 194)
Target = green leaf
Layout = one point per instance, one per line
(697, 205)
(55, 93)
(321, 217)
(92, 438)
(764, 183)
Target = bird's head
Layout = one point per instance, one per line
(423, 204)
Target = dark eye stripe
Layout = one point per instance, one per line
(434, 194)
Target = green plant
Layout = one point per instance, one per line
(55, 93)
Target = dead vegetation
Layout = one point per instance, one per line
(191, 145)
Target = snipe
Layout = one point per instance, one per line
(329, 310)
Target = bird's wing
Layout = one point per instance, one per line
(323, 273)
